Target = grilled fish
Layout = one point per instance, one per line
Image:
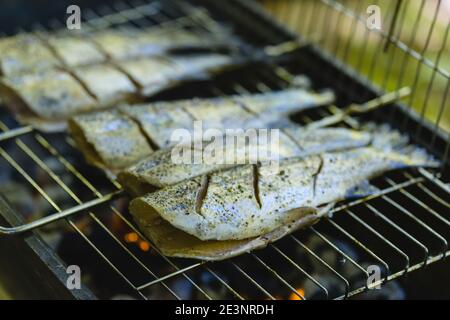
(159, 120)
(250, 201)
(75, 50)
(157, 73)
(126, 43)
(55, 95)
(46, 99)
(159, 170)
(112, 148)
(176, 243)
(25, 53)
(283, 102)
(29, 53)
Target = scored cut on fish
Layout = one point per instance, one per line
(159, 170)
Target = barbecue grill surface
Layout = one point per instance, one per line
(400, 229)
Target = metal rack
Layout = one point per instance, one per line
(402, 228)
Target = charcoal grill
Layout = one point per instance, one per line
(402, 228)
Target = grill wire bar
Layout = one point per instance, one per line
(124, 12)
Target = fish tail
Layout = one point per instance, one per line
(390, 140)
(397, 147)
(385, 138)
(413, 156)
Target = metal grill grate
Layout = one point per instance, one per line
(402, 228)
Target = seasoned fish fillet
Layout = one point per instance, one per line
(108, 84)
(176, 243)
(284, 102)
(153, 74)
(333, 139)
(250, 201)
(25, 53)
(131, 43)
(148, 119)
(45, 99)
(104, 130)
(29, 53)
(256, 110)
(156, 73)
(53, 95)
(158, 170)
(222, 113)
(159, 120)
(75, 50)
(200, 66)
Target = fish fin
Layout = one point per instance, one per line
(413, 156)
(362, 190)
(386, 139)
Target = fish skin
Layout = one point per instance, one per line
(48, 98)
(25, 53)
(232, 210)
(219, 113)
(226, 113)
(104, 130)
(290, 101)
(75, 50)
(29, 53)
(155, 125)
(152, 74)
(129, 43)
(158, 170)
(159, 120)
(331, 139)
(200, 66)
(52, 95)
(157, 73)
(176, 243)
(108, 84)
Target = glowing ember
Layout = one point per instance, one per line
(144, 246)
(294, 296)
(131, 237)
